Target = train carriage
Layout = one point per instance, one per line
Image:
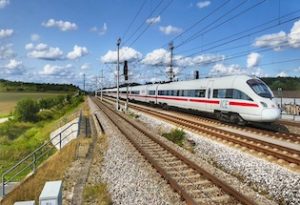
(237, 98)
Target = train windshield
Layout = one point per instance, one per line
(260, 88)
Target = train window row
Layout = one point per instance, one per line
(185, 93)
(151, 92)
(230, 94)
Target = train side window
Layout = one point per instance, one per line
(151, 92)
(229, 93)
(215, 93)
(219, 93)
(200, 93)
(237, 94)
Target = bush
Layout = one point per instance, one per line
(12, 130)
(176, 135)
(26, 110)
(45, 115)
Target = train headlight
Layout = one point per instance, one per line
(264, 104)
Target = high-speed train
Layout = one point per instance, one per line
(236, 98)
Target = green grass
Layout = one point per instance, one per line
(18, 139)
(98, 193)
(8, 100)
(176, 135)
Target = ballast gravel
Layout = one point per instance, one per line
(269, 179)
(130, 178)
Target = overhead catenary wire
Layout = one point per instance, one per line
(143, 22)
(207, 29)
(165, 8)
(134, 18)
(241, 37)
(248, 32)
(199, 21)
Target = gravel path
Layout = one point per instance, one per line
(277, 182)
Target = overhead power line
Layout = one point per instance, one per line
(134, 18)
(165, 8)
(207, 29)
(247, 31)
(199, 21)
(143, 22)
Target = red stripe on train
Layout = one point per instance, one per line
(243, 104)
(205, 101)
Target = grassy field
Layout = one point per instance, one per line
(8, 100)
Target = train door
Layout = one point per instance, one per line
(156, 93)
(208, 105)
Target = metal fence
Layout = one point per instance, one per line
(31, 161)
(290, 108)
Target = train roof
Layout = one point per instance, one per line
(204, 81)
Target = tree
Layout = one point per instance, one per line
(26, 110)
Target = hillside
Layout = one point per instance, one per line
(286, 83)
(14, 86)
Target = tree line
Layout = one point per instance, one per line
(17, 86)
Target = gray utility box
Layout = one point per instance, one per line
(24, 203)
(51, 193)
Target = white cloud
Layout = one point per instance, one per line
(35, 37)
(253, 60)
(29, 46)
(55, 70)
(157, 57)
(281, 39)
(6, 51)
(3, 3)
(203, 4)
(207, 58)
(77, 52)
(85, 66)
(274, 41)
(41, 47)
(282, 74)
(126, 53)
(101, 31)
(62, 25)
(4, 33)
(222, 69)
(14, 67)
(162, 57)
(167, 30)
(294, 35)
(43, 51)
(153, 20)
(13, 64)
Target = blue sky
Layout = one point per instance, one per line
(60, 40)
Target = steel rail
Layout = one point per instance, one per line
(226, 135)
(218, 182)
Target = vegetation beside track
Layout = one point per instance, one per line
(20, 136)
(175, 135)
(51, 170)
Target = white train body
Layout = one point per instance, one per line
(238, 97)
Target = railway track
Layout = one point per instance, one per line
(278, 134)
(289, 123)
(280, 152)
(194, 184)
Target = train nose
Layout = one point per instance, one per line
(270, 115)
